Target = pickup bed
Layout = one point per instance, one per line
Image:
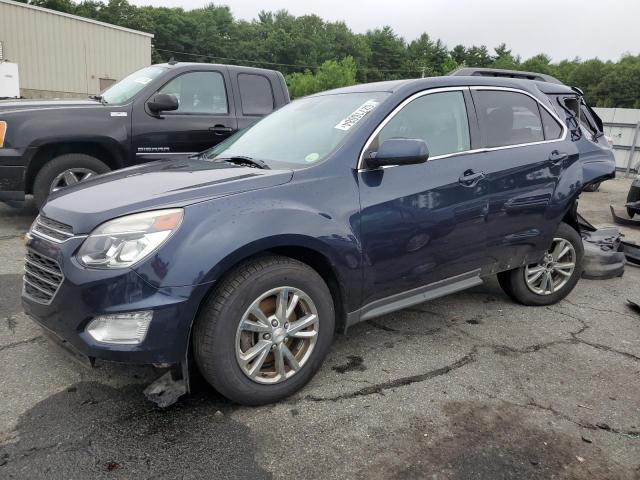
(158, 111)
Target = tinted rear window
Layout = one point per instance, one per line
(256, 94)
(508, 118)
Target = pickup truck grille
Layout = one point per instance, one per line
(55, 231)
(42, 277)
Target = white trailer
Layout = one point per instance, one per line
(9, 80)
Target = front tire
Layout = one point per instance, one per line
(64, 171)
(265, 330)
(552, 279)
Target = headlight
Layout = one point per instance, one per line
(126, 240)
(3, 132)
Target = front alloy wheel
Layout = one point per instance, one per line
(264, 330)
(555, 269)
(277, 335)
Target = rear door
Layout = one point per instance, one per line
(525, 154)
(203, 119)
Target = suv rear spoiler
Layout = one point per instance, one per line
(498, 72)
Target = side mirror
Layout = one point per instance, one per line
(163, 102)
(399, 151)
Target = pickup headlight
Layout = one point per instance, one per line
(121, 242)
(3, 132)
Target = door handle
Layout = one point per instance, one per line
(220, 129)
(557, 157)
(470, 178)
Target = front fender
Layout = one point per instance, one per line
(218, 234)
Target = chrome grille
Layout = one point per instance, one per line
(42, 277)
(56, 231)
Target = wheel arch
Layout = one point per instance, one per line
(104, 151)
(570, 217)
(313, 256)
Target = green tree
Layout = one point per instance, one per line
(315, 54)
(504, 58)
(388, 55)
(459, 55)
(540, 63)
(478, 57)
(427, 56)
(331, 74)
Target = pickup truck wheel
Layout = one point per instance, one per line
(64, 171)
(550, 280)
(265, 330)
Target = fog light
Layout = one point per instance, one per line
(120, 328)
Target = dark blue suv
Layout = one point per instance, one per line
(244, 260)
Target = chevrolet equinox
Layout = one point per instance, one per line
(243, 261)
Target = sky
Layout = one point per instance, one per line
(560, 28)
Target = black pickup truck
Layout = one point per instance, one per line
(161, 110)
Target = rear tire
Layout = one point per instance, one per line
(52, 170)
(514, 282)
(592, 188)
(218, 334)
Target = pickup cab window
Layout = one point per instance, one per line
(256, 94)
(199, 93)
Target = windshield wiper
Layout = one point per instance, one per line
(244, 161)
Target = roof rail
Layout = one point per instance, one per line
(498, 72)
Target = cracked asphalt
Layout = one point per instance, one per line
(470, 386)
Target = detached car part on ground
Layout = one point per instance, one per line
(604, 255)
(340, 207)
(632, 219)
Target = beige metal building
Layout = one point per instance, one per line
(62, 55)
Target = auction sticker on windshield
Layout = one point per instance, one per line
(357, 115)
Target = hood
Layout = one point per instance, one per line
(161, 184)
(9, 106)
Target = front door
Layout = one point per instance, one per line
(424, 223)
(203, 119)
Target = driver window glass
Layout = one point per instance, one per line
(199, 93)
(440, 119)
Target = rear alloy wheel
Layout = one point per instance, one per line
(553, 277)
(265, 330)
(554, 271)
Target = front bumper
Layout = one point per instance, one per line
(12, 174)
(86, 293)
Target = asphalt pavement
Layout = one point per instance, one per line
(470, 386)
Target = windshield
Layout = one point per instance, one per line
(128, 87)
(301, 134)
